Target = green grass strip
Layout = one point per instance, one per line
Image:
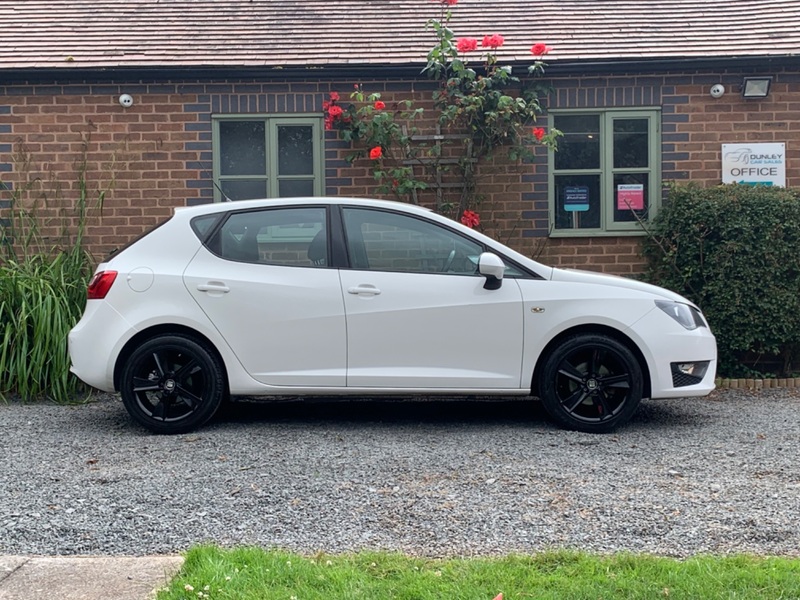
(253, 573)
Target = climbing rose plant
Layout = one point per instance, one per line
(477, 96)
(380, 133)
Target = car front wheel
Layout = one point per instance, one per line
(172, 384)
(591, 383)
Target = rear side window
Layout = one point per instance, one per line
(292, 237)
(202, 226)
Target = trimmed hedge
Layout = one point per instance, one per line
(735, 251)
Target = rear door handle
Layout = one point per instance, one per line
(364, 290)
(214, 286)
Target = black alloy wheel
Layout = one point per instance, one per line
(591, 383)
(172, 384)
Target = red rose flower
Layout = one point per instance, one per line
(540, 49)
(466, 44)
(334, 96)
(493, 41)
(379, 105)
(376, 153)
(335, 111)
(538, 133)
(470, 219)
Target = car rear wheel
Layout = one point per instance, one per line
(591, 383)
(172, 384)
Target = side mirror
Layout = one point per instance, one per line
(491, 266)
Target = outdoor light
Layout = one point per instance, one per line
(756, 87)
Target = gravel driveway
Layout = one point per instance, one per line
(717, 474)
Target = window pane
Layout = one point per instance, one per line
(295, 188)
(580, 146)
(630, 143)
(288, 237)
(242, 147)
(577, 201)
(244, 189)
(295, 150)
(202, 225)
(382, 241)
(630, 197)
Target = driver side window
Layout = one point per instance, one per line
(382, 241)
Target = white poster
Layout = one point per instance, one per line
(754, 164)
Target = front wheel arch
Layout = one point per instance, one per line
(592, 329)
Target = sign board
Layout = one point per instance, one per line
(754, 164)
(630, 196)
(576, 198)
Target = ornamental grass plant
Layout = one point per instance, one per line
(44, 269)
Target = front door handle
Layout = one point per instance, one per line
(364, 290)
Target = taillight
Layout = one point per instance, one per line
(100, 284)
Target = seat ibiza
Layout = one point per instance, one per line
(335, 296)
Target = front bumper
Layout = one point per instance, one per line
(665, 345)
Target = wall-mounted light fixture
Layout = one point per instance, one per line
(756, 87)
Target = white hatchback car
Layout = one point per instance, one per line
(335, 296)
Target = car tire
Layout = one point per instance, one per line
(591, 383)
(172, 384)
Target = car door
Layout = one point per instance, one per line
(418, 314)
(265, 281)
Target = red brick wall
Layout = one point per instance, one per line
(703, 123)
(157, 154)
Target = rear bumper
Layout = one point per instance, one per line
(95, 342)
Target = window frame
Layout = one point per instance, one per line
(607, 171)
(271, 124)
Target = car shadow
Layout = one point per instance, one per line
(449, 411)
(382, 410)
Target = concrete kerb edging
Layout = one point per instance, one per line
(758, 384)
(85, 577)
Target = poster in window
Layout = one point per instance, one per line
(576, 198)
(630, 196)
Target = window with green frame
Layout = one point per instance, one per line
(267, 156)
(605, 175)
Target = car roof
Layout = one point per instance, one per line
(212, 208)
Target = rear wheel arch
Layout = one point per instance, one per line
(592, 329)
(165, 329)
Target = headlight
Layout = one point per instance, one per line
(688, 317)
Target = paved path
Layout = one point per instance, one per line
(85, 577)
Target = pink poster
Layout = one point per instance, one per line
(630, 196)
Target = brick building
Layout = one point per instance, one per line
(630, 88)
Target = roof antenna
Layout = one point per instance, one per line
(225, 197)
(219, 189)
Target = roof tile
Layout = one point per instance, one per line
(239, 33)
